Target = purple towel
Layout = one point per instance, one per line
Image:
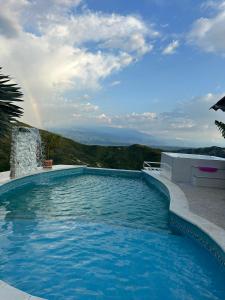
(208, 169)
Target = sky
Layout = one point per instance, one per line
(151, 65)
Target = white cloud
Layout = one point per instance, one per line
(213, 5)
(109, 31)
(9, 18)
(103, 118)
(191, 121)
(51, 51)
(115, 83)
(208, 33)
(171, 48)
(86, 107)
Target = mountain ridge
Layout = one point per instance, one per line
(107, 136)
(66, 151)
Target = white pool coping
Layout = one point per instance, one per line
(8, 292)
(178, 205)
(5, 176)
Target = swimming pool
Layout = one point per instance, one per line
(100, 236)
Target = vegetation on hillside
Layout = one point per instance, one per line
(66, 151)
(213, 151)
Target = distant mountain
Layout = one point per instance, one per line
(213, 151)
(67, 151)
(108, 136)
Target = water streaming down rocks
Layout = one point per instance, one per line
(26, 151)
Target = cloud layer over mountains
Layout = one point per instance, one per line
(60, 51)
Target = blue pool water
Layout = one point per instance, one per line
(100, 237)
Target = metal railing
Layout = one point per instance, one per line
(156, 166)
(152, 165)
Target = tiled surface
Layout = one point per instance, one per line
(188, 229)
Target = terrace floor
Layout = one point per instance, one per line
(209, 203)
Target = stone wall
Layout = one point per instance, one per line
(25, 151)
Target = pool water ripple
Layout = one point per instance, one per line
(114, 200)
(100, 237)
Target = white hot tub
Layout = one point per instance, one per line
(199, 170)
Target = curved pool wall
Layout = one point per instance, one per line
(181, 220)
(40, 176)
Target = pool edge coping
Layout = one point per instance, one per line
(180, 207)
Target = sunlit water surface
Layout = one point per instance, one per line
(100, 237)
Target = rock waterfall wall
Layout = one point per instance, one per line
(26, 151)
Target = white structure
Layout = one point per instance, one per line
(25, 151)
(199, 170)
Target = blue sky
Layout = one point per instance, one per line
(158, 80)
(152, 65)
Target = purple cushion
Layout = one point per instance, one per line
(208, 169)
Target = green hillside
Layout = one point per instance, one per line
(213, 151)
(66, 151)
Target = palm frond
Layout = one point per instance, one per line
(9, 112)
(221, 127)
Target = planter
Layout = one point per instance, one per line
(47, 164)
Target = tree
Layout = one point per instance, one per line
(9, 111)
(221, 127)
(220, 105)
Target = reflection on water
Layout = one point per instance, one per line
(99, 237)
(114, 200)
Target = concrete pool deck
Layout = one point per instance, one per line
(199, 206)
(208, 203)
(5, 176)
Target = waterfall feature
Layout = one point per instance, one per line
(26, 151)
